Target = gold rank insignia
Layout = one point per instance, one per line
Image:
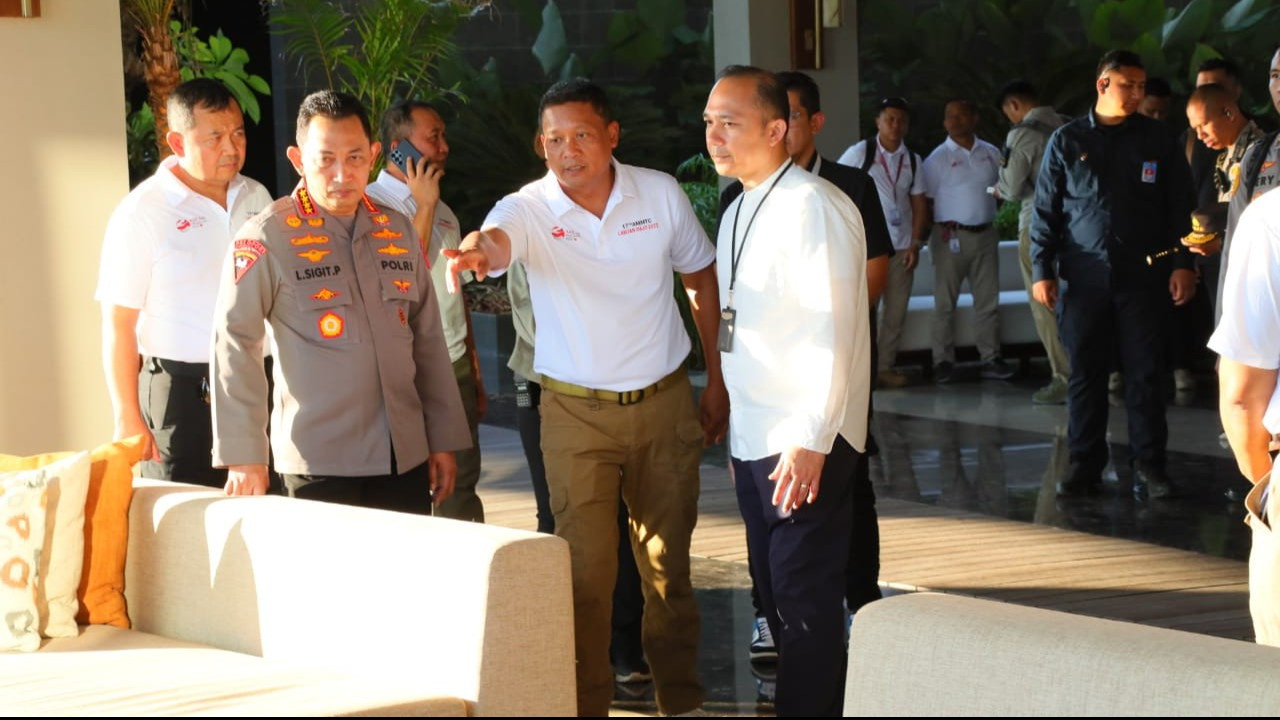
(293, 221)
(309, 239)
(330, 325)
(387, 234)
(325, 294)
(315, 222)
(392, 249)
(381, 219)
(313, 254)
(402, 285)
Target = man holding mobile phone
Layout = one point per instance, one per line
(413, 134)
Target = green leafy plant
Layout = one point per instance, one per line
(376, 51)
(219, 59)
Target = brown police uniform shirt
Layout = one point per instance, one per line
(361, 366)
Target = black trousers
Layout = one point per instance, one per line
(628, 595)
(174, 400)
(799, 560)
(408, 492)
(1133, 320)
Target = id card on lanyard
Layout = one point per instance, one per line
(895, 214)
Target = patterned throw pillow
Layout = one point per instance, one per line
(22, 511)
(63, 556)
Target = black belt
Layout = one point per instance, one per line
(966, 228)
(175, 367)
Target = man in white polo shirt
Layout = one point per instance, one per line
(900, 185)
(1248, 341)
(964, 244)
(415, 191)
(599, 240)
(158, 280)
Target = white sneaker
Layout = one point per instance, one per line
(762, 646)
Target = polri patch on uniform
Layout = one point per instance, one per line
(314, 255)
(402, 285)
(1149, 171)
(387, 234)
(245, 254)
(392, 249)
(331, 325)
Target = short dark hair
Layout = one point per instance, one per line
(332, 105)
(1020, 89)
(894, 103)
(1116, 59)
(1229, 67)
(804, 87)
(203, 93)
(1159, 87)
(577, 89)
(397, 121)
(771, 97)
(1211, 95)
(970, 106)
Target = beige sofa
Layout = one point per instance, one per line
(272, 606)
(946, 655)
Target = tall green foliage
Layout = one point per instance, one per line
(377, 51)
(930, 51)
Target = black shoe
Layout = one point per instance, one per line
(1079, 481)
(1151, 482)
(998, 369)
(944, 372)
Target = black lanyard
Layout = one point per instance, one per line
(735, 252)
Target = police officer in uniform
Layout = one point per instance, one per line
(367, 411)
(1112, 201)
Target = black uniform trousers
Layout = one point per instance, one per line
(174, 398)
(1132, 318)
(799, 560)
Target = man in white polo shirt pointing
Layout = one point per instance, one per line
(161, 259)
(599, 240)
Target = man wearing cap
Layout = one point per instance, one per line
(895, 170)
(1112, 191)
(957, 177)
(1020, 163)
(367, 411)
(599, 241)
(164, 247)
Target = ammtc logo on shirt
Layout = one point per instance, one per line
(636, 226)
(560, 233)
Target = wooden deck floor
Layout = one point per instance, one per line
(924, 547)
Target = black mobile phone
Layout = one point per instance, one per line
(402, 153)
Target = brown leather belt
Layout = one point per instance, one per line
(625, 397)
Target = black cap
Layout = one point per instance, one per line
(896, 103)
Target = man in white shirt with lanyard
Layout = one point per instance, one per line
(1248, 342)
(158, 281)
(415, 191)
(957, 177)
(599, 240)
(796, 352)
(902, 198)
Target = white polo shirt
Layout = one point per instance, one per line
(797, 373)
(957, 179)
(445, 234)
(1249, 331)
(601, 288)
(163, 253)
(896, 191)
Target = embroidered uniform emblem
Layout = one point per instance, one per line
(309, 239)
(368, 205)
(381, 219)
(404, 319)
(314, 255)
(306, 207)
(402, 285)
(331, 325)
(392, 249)
(245, 254)
(315, 222)
(325, 294)
(387, 234)
(293, 221)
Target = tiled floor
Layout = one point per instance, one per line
(980, 447)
